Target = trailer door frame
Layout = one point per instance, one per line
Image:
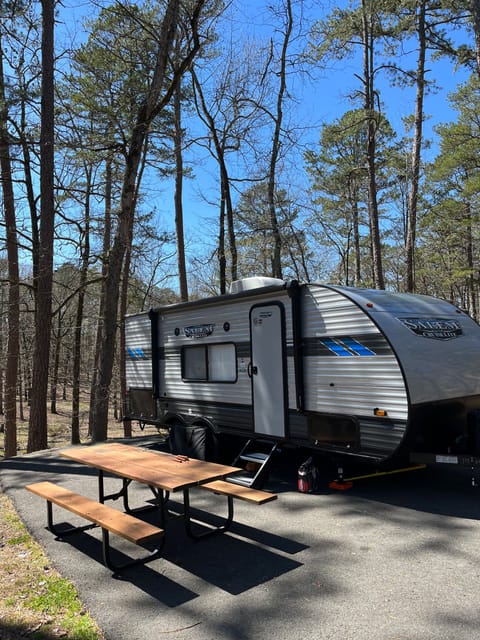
(268, 369)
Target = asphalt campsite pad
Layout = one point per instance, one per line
(393, 558)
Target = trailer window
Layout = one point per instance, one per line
(194, 363)
(212, 363)
(222, 363)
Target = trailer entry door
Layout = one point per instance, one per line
(267, 368)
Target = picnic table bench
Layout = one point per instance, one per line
(226, 488)
(108, 518)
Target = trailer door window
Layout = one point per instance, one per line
(212, 363)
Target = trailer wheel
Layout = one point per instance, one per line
(211, 443)
(176, 436)
(196, 440)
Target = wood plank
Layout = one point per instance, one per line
(171, 461)
(239, 491)
(124, 468)
(162, 470)
(122, 524)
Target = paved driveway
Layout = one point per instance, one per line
(394, 558)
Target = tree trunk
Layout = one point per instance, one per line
(470, 252)
(369, 105)
(226, 205)
(178, 138)
(357, 276)
(77, 340)
(416, 153)
(127, 424)
(13, 312)
(149, 109)
(106, 244)
(37, 433)
(57, 342)
(276, 144)
(2, 368)
(353, 198)
(21, 391)
(232, 243)
(476, 30)
(222, 260)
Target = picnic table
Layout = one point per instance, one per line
(163, 473)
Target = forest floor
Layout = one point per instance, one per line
(35, 601)
(59, 428)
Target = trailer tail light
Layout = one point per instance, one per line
(381, 413)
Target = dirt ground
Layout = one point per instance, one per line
(59, 429)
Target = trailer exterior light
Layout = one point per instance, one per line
(381, 413)
(369, 305)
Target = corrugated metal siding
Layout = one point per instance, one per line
(354, 387)
(358, 383)
(326, 312)
(437, 366)
(237, 417)
(138, 357)
(380, 437)
(236, 314)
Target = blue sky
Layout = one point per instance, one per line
(320, 99)
(324, 98)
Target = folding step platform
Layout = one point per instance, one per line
(255, 457)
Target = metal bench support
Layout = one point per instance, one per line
(107, 561)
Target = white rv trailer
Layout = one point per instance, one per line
(357, 372)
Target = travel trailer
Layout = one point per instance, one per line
(369, 374)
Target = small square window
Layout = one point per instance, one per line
(212, 363)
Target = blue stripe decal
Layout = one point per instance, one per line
(356, 347)
(136, 353)
(337, 348)
(347, 347)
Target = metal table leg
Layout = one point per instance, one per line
(212, 529)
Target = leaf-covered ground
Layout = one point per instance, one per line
(35, 601)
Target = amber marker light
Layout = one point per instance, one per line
(381, 413)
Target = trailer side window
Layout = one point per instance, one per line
(194, 363)
(210, 363)
(222, 363)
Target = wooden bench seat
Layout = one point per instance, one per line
(239, 491)
(109, 519)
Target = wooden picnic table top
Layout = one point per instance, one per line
(158, 469)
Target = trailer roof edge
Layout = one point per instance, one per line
(176, 306)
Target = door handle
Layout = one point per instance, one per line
(252, 370)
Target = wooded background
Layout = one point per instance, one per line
(100, 123)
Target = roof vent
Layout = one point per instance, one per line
(255, 282)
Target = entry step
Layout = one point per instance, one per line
(254, 461)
